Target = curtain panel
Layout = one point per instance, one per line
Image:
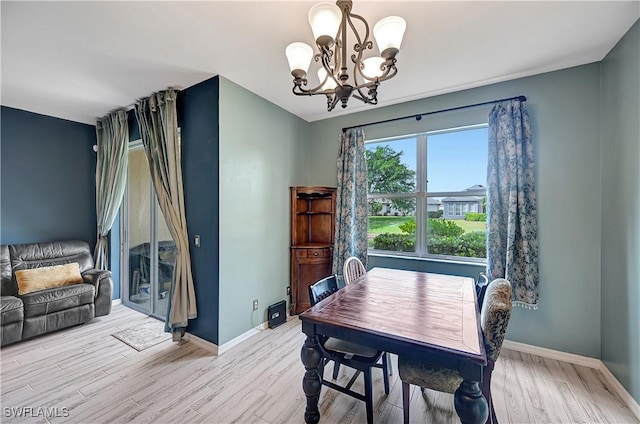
(157, 117)
(512, 233)
(112, 134)
(351, 200)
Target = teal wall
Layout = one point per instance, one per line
(263, 151)
(198, 117)
(621, 211)
(565, 113)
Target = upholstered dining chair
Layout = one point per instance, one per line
(494, 318)
(360, 358)
(353, 269)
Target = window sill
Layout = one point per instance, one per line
(480, 262)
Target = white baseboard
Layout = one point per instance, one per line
(242, 337)
(202, 343)
(219, 350)
(621, 391)
(585, 361)
(572, 358)
(115, 302)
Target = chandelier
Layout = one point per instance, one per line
(329, 23)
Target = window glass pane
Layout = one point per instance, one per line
(453, 230)
(457, 164)
(391, 166)
(457, 161)
(392, 224)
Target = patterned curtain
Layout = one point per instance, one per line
(112, 134)
(351, 200)
(157, 117)
(512, 240)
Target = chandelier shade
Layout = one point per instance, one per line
(344, 70)
(325, 19)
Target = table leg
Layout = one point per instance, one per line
(470, 404)
(311, 383)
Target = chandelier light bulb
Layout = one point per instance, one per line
(325, 19)
(388, 33)
(371, 67)
(299, 56)
(330, 84)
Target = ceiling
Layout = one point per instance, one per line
(80, 60)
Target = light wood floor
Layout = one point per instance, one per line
(96, 378)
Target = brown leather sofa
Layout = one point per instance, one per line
(32, 314)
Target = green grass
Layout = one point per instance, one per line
(386, 224)
(391, 224)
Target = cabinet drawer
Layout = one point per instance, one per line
(301, 253)
(318, 253)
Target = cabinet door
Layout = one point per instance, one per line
(305, 272)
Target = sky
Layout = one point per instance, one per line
(455, 160)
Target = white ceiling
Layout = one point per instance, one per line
(80, 60)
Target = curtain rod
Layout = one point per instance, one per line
(420, 115)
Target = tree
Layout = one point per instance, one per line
(387, 174)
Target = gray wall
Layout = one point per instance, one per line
(262, 153)
(621, 211)
(48, 179)
(565, 112)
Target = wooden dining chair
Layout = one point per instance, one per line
(481, 287)
(353, 269)
(343, 352)
(494, 318)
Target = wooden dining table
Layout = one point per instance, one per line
(411, 314)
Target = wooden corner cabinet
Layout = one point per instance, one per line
(313, 223)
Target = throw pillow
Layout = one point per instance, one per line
(47, 277)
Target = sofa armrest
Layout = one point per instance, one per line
(94, 276)
(101, 280)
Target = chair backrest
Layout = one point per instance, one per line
(353, 269)
(481, 287)
(494, 318)
(323, 289)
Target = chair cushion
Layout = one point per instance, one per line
(343, 346)
(58, 299)
(12, 309)
(425, 374)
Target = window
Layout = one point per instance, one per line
(427, 193)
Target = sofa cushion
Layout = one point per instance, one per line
(11, 309)
(47, 277)
(58, 299)
(35, 255)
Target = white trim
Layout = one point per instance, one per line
(202, 343)
(553, 354)
(219, 350)
(585, 361)
(619, 389)
(115, 302)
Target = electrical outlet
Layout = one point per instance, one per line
(255, 304)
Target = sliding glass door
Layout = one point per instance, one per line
(148, 250)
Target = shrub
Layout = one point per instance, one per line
(470, 245)
(408, 227)
(435, 214)
(475, 216)
(444, 228)
(395, 242)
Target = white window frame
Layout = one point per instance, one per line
(421, 194)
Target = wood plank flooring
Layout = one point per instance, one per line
(84, 375)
